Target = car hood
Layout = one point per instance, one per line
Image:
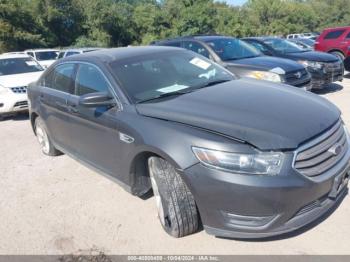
(312, 56)
(266, 115)
(267, 63)
(19, 79)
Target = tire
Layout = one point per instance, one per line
(338, 54)
(177, 209)
(45, 142)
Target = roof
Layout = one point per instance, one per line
(196, 37)
(41, 50)
(112, 54)
(78, 49)
(336, 28)
(13, 55)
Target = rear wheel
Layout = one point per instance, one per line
(46, 145)
(177, 209)
(338, 54)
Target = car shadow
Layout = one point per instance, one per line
(330, 88)
(347, 75)
(16, 117)
(297, 232)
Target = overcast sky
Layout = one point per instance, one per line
(236, 2)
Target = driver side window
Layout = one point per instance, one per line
(90, 80)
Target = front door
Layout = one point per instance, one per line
(94, 131)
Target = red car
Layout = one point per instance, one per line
(337, 42)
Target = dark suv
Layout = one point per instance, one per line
(243, 59)
(247, 158)
(324, 68)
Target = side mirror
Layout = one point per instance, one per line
(97, 99)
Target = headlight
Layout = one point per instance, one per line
(259, 163)
(262, 75)
(312, 64)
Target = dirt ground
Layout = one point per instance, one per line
(57, 206)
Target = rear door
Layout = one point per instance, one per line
(94, 131)
(57, 87)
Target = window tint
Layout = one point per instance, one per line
(46, 55)
(232, 48)
(60, 78)
(70, 53)
(61, 55)
(348, 35)
(175, 44)
(334, 34)
(196, 47)
(259, 46)
(90, 80)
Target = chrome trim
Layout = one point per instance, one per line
(318, 140)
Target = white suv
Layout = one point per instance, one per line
(45, 57)
(16, 72)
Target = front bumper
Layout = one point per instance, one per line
(13, 103)
(251, 206)
(323, 77)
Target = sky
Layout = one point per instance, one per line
(236, 2)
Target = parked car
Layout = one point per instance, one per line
(250, 158)
(75, 51)
(310, 35)
(16, 72)
(304, 43)
(243, 59)
(45, 57)
(324, 68)
(336, 41)
(294, 36)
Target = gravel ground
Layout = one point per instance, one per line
(57, 206)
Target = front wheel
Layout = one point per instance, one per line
(46, 145)
(177, 209)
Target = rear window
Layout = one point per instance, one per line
(334, 34)
(46, 55)
(348, 35)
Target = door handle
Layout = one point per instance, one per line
(60, 104)
(73, 109)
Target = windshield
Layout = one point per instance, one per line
(155, 75)
(283, 46)
(307, 41)
(13, 66)
(46, 55)
(232, 49)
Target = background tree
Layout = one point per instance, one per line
(58, 23)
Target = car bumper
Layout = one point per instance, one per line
(251, 206)
(13, 103)
(321, 78)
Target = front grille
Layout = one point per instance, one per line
(323, 153)
(332, 67)
(22, 103)
(298, 78)
(19, 90)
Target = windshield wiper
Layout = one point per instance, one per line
(175, 93)
(212, 83)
